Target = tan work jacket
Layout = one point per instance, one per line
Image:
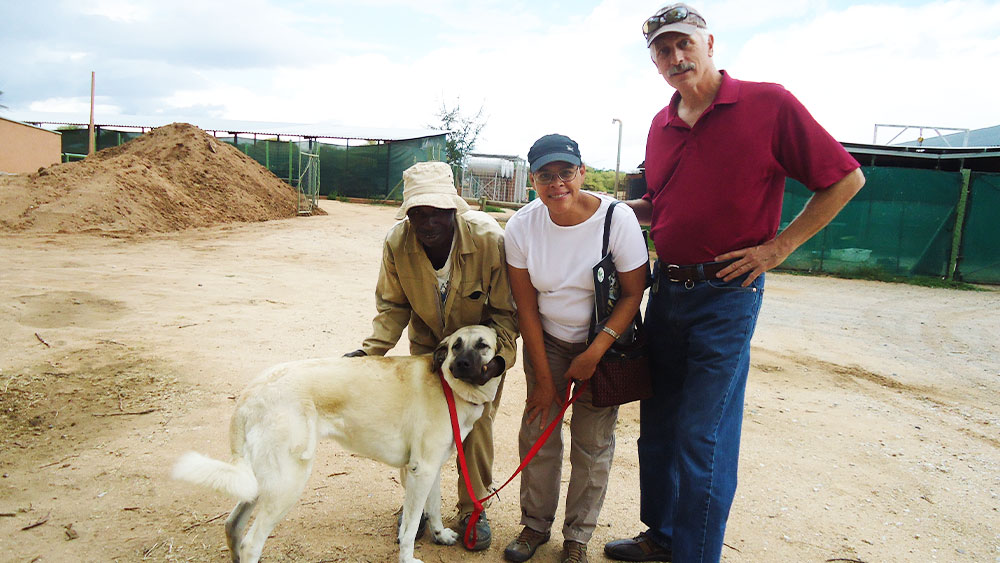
(479, 292)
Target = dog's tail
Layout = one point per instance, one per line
(234, 479)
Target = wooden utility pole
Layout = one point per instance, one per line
(90, 130)
(618, 159)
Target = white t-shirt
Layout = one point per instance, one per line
(443, 274)
(560, 260)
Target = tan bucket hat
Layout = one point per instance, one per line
(430, 184)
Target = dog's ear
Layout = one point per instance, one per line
(440, 353)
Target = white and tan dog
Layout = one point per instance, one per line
(390, 409)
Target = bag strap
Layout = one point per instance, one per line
(607, 228)
(604, 252)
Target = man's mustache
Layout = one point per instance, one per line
(683, 67)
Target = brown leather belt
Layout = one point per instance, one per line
(692, 272)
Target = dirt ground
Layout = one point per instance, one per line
(871, 426)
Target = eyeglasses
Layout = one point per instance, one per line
(673, 15)
(566, 174)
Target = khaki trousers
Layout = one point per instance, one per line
(478, 446)
(592, 447)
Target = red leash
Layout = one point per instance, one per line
(470, 530)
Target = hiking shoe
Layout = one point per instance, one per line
(421, 527)
(524, 546)
(573, 552)
(484, 537)
(639, 548)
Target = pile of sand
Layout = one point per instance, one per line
(172, 178)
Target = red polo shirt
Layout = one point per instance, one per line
(718, 186)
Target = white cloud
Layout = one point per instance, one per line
(535, 67)
(119, 11)
(76, 106)
(927, 65)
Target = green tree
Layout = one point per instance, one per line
(463, 131)
(598, 180)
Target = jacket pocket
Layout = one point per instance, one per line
(471, 302)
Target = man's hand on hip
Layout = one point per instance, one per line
(752, 261)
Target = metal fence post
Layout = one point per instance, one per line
(956, 236)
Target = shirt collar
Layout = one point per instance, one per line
(729, 93)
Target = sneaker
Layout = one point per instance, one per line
(421, 527)
(484, 537)
(639, 548)
(573, 552)
(524, 546)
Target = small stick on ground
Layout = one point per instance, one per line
(9, 381)
(146, 552)
(147, 411)
(58, 462)
(210, 520)
(43, 520)
(42, 341)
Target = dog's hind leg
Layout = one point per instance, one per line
(282, 472)
(274, 502)
(235, 526)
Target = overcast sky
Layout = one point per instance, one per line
(536, 67)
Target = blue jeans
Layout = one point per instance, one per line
(689, 437)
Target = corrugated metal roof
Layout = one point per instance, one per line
(985, 137)
(982, 159)
(323, 130)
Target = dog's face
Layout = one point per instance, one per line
(466, 352)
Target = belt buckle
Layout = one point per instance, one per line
(672, 270)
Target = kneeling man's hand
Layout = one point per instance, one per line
(496, 367)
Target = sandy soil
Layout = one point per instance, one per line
(871, 427)
(174, 177)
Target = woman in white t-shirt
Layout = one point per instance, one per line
(552, 245)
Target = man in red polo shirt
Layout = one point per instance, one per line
(716, 162)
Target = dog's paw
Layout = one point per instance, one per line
(446, 536)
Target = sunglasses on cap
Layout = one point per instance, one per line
(673, 15)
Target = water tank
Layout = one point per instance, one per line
(486, 166)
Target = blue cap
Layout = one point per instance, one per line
(553, 148)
